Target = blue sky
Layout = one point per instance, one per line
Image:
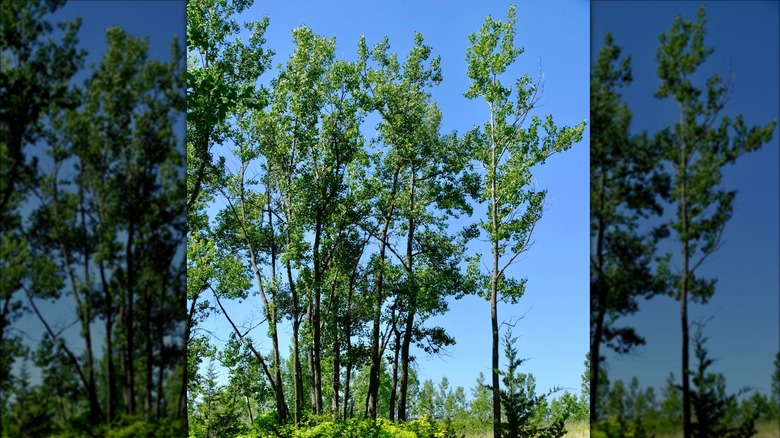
(744, 330)
(554, 332)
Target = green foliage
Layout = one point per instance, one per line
(712, 407)
(524, 409)
(316, 427)
(100, 234)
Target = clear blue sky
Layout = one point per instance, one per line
(160, 21)
(554, 333)
(744, 331)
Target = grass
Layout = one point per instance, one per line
(573, 430)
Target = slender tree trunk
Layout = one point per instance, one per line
(149, 360)
(161, 366)
(373, 380)
(336, 371)
(109, 355)
(348, 340)
(374, 373)
(412, 302)
(297, 369)
(687, 431)
(316, 376)
(394, 388)
(249, 410)
(128, 321)
(182, 409)
(405, 344)
(494, 302)
(271, 316)
(310, 361)
(601, 292)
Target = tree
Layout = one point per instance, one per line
(481, 404)
(521, 403)
(774, 394)
(221, 76)
(29, 87)
(697, 150)
(507, 152)
(427, 183)
(626, 181)
(106, 176)
(710, 402)
(110, 225)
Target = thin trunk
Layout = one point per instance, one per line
(249, 410)
(110, 368)
(271, 316)
(310, 361)
(129, 367)
(687, 431)
(348, 340)
(412, 303)
(404, 393)
(316, 376)
(86, 320)
(296, 317)
(394, 387)
(149, 360)
(601, 291)
(182, 408)
(336, 371)
(161, 367)
(347, 382)
(373, 381)
(494, 299)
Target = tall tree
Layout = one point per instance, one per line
(697, 150)
(28, 89)
(431, 181)
(221, 75)
(625, 183)
(507, 152)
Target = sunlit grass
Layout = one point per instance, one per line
(767, 430)
(573, 430)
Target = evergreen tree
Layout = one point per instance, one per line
(521, 404)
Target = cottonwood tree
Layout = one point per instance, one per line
(507, 151)
(28, 89)
(427, 183)
(626, 183)
(697, 148)
(221, 75)
(104, 228)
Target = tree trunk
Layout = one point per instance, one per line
(128, 321)
(494, 309)
(601, 296)
(149, 360)
(109, 356)
(336, 372)
(394, 388)
(373, 380)
(412, 306)
(406, 343)
(316, 376)
(686, 387)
